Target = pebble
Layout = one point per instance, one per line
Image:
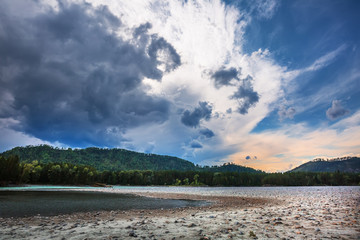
(132, 234)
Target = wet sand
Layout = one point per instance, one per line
(323, 213)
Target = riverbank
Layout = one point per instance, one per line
(315, 213)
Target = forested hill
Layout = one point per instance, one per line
(346, 164)
(230, 167)
(101, 159)
(114, 159)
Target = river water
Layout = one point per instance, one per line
(49, 201)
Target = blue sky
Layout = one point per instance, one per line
(267, 84)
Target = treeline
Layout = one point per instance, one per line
(12, 171)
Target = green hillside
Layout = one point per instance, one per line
(101, 159)
(114, 159)
(347, 164)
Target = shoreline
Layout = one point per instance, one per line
(216, 203)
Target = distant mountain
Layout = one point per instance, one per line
(114, 159)
(345, 164)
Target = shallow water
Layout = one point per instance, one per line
(49, 202)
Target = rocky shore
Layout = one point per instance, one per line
(326, 213)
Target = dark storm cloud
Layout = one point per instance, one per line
(70, 78)
(245, 95)
(336, 110)
(195, 144)
(160, 45)
(224, 76)
(142, 29)
(207, 133)
(192, 119)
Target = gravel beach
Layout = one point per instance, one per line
(237, 213)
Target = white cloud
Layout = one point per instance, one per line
(323, 95)
(207, 35)
(351, 121)
(326, 59)
(266, 8)
(289, 77)
(11, 138)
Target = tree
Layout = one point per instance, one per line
(186, 181)
(55, 174)
(10, 169)
(177, 182)
(196, 180)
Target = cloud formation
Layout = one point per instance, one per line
(192, 118)
(195, 144)
(207, 133)
(286, 113)
(169, 57)
(245, 95)
(71, 74)
(224, 76)
(266, 8)
(336, 110)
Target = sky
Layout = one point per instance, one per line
(266, 84)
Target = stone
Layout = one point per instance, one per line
(132, 234)
(192, 225)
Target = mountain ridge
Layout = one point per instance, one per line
(114, 159)
(342, 164)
